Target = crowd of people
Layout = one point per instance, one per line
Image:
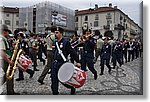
(85, 50)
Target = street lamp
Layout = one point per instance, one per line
(54, 13)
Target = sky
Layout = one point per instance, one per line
(130, 7)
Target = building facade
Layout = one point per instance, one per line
(40, 17)
(107, 19)
(10, 17)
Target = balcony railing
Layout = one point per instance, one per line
(108, 16)
(106, 27)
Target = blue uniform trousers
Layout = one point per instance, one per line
(54, 78)
(89, 62)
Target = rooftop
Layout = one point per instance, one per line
(9, 9)
(95, 10)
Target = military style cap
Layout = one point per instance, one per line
(22, 34)
(88, 30)
(61, 30)
(53, 28)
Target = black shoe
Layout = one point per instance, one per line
(114, 67)
(41, 82)
(49, 72)
(43, 62)
(120, 65)
(109, 71)
(36, 69)
(85, 70)
(31, 75)
(73, 91)
(19, 79)
(95, 76)
(13, 93)
(101, 74)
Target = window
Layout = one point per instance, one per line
(95, 23)
(121, 18)
(109, 22)
(0, 21)
(86, 18)
(76, 25)
(108, 16)
(7, 22)
(96, 17)
(17, 15)
(7, 15)
(126, 26)
(76, 19)
(17, 23)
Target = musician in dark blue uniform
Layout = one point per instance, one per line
(137, 48)
(66, 49)
(131, 47)
(88, 53)
(24, 45)
(125, 47)
(117, 54)
(74, 42)
(105, 55)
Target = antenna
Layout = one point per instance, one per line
(90, 4)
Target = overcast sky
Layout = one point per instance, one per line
(130, 7)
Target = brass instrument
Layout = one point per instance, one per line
(14, 58)
(81, 39)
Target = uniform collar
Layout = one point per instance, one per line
(3, 37)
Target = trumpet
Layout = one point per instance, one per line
(14, 58)
(81, 39)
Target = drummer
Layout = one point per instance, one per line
(24, 45)
(66, 48)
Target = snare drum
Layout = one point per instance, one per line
(24, 62)
(71, 75)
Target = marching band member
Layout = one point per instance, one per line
(50, 40)
(33, 49)
(66, 48)
(25, 47)
(88, 54)
(98, 48)
(131, 47)
(117, 53)
(105, 55)
(125, 47)
(5, 55)
(74, 41)
(40, 49)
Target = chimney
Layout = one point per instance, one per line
(76, 10)
(110, 4)
(96, 6)
(115, 7)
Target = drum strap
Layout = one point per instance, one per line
(60, 52)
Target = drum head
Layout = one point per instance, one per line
(66, 72)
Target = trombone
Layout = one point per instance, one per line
(81, 39)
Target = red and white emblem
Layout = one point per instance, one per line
(71, 75)
(23, 63)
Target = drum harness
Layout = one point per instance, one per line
(60, 52)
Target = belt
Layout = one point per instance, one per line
(49, 50)
(87, 52)
(58, 61)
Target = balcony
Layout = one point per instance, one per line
(108, 16)
(106, 27)
(119, 27)
(133, 32)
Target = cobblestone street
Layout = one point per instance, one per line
(126, 80)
